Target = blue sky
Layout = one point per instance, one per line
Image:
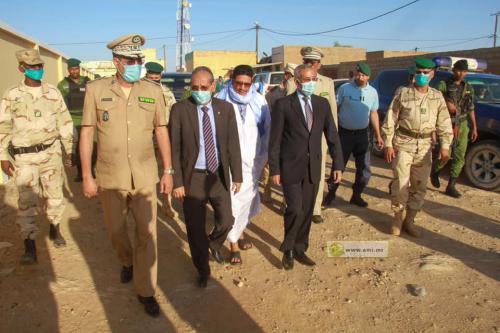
(55, 22)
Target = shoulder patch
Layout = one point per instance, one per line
(146, 100)
(324, 93)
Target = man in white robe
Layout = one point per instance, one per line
(254, 124)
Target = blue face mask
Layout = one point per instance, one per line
(201, 97)
(34, 74)
(422, 79)
(132, 73)
(308, 88)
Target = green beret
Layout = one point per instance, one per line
(411, 70)
(72, 62)
(153, 67)
(461, 65)
(425, 63)
(364, 68)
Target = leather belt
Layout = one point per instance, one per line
(350, 131)
(31, 149)
(414, 135)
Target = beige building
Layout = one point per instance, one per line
(12, 41)
(106, 68)
(333, 55)
(220, 62)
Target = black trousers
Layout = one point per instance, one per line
(356, 142)
(206, 188)
(300, 199)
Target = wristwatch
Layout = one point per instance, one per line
(169, 171)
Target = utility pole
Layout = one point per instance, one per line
(165, 56)
(257, 27)
(496, 26)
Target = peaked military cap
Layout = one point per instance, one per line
(128, 46)
(311, 53)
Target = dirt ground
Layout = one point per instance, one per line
(457, 261)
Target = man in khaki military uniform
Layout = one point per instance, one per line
(153, 73)
(324, 88)
(414, 114)
(126, 110)
(33, 122)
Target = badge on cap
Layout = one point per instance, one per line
(38, 114)
(136, 39)
(105, 116)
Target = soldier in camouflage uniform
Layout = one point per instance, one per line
(414, 114)
(459, 97)
(72, 89)
(153, 73)
(324, 88)
(33, 122)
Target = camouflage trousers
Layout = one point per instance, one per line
(39, 176)
(411, 172)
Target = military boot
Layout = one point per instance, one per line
(29, 256)
(397, 223)
(55, 236)
(409, 223)
(435, 179)
(451, 190)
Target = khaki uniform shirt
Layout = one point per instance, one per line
(27, 120)
(169, 100)
(419, 113)
(125, 158)
(324, 88)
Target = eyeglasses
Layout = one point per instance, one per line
(243, 84)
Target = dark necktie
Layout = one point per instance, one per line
(210, 155)
(309, 113)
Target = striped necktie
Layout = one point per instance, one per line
(210, 155)
(309, 113)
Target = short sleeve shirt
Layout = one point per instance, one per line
(355, 105)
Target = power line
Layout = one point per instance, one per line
(344, 27)
(155, 38)
(456, 43)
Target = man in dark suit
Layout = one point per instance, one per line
(298, 123)
(205, 150)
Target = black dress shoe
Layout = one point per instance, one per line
(329, 199)
(304, 259)
(287, 260)
(317, 219)
(151, 306)
(358, 201)
(126, 274)
(202, 281)
(217, 256)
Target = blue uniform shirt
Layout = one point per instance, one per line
(201, 162)
(355, 104)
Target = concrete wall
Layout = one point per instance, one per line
(12, 41)
(333, 55)
(219, 61)
(491, 55)
(390, 54)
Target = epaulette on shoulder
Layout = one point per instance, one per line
(145, 79)
(98, 79)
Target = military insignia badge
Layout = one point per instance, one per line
(105, 116)
(136, 39)
(146, 100)
(38, 114)
(324, 93)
